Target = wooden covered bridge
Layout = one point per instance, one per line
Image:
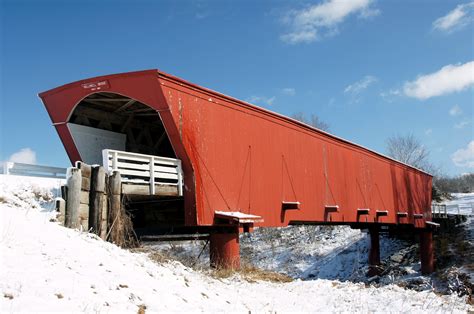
(194, 160)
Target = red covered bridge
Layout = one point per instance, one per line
(242, 166)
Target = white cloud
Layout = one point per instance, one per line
(461, 124)
(464, 157)
(289, 91)
(456, 19)
(361, 85)
(24, 155)
(428, 132)
(390, 95)
(321, 20)
(262, 100)
(450, 79)
(455, 111)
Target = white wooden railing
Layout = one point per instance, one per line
(145, 169)
(453, 209)
(22, 169)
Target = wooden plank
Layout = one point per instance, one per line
(103, 227)
(136, 173)
(174, 237)
(144, 157)
(64, 192)
(115, 183)
(84, 216)
(85, 184)
(84, 197)
(115, 207)
(146, 160)
(144, 166)
(139, 181)
(125, 106)
(136, 189)
(85, 169)
(97, 198)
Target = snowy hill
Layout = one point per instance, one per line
(46, 267)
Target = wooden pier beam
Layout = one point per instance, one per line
(104, 214)
(96, 198)
(426, 251)
(374, 251)
(225, 249)
(115, 206)
(84, 198)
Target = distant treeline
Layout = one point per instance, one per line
(461, 184)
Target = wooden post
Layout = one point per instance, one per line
(426, 251)
(224, 249)
(96, 198)
(61, 209)
(374, 251)
(104, 212)
(74, 179)
(115, 206)
(85, 188)
(64, 192)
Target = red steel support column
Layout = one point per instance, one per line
(374, 251)
(225, 249)
(426, 252)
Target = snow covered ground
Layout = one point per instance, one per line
(46, 267)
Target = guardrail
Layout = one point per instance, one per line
(439, 209)
(145, 169)
(443, 210)
(22, 169)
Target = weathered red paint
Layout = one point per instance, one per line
(224, 250)
(239, 157)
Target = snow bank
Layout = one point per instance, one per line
(45, 267)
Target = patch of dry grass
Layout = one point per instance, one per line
(154, 255)
(247, 271)
(251, 274)
(141, 309)
(121, 229)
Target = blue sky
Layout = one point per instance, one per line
(370, 69)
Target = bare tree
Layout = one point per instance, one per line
(409, 150)
(460, 184)
(313, 120)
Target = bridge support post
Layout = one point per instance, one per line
(225, 249)
(374, 251)
(426, 252)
